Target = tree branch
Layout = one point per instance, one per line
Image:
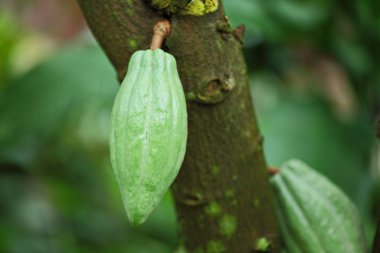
(222, 194)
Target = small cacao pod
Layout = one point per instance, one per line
(148, 132)
(315, 216)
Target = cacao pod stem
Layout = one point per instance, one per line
(273, 171)
(161, 30)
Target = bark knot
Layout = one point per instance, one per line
(215, 90)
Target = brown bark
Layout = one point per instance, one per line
(222, 194)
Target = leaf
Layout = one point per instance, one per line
(304, 127)
(67, 89)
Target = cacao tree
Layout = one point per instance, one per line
(222, 194)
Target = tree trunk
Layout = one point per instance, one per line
(222, 194)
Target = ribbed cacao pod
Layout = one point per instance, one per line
(315, 216)
(148, 132)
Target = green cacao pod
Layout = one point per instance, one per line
(315, 216)
(148, 132)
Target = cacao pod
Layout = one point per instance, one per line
(315, 216)
(148, 132)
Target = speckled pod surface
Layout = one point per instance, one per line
(148, 132)
(315, 216)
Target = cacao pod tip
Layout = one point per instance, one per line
(137, 220)
(140, 208)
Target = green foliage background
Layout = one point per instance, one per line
(56, 185)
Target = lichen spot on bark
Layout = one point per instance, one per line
(227, 225)
(132, 44)
(194, 8)
(262, 244)
(161, 4)
(230, 193)
(257, 203)
(211, 5)
(215, 246)
(213, 209)
(215, 170)
(190, 96)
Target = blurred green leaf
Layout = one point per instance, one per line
(68, 88)
(276, 20)
(353, 54)
(301, 15)
(256, 19)
(295, 126)
(10, 36)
